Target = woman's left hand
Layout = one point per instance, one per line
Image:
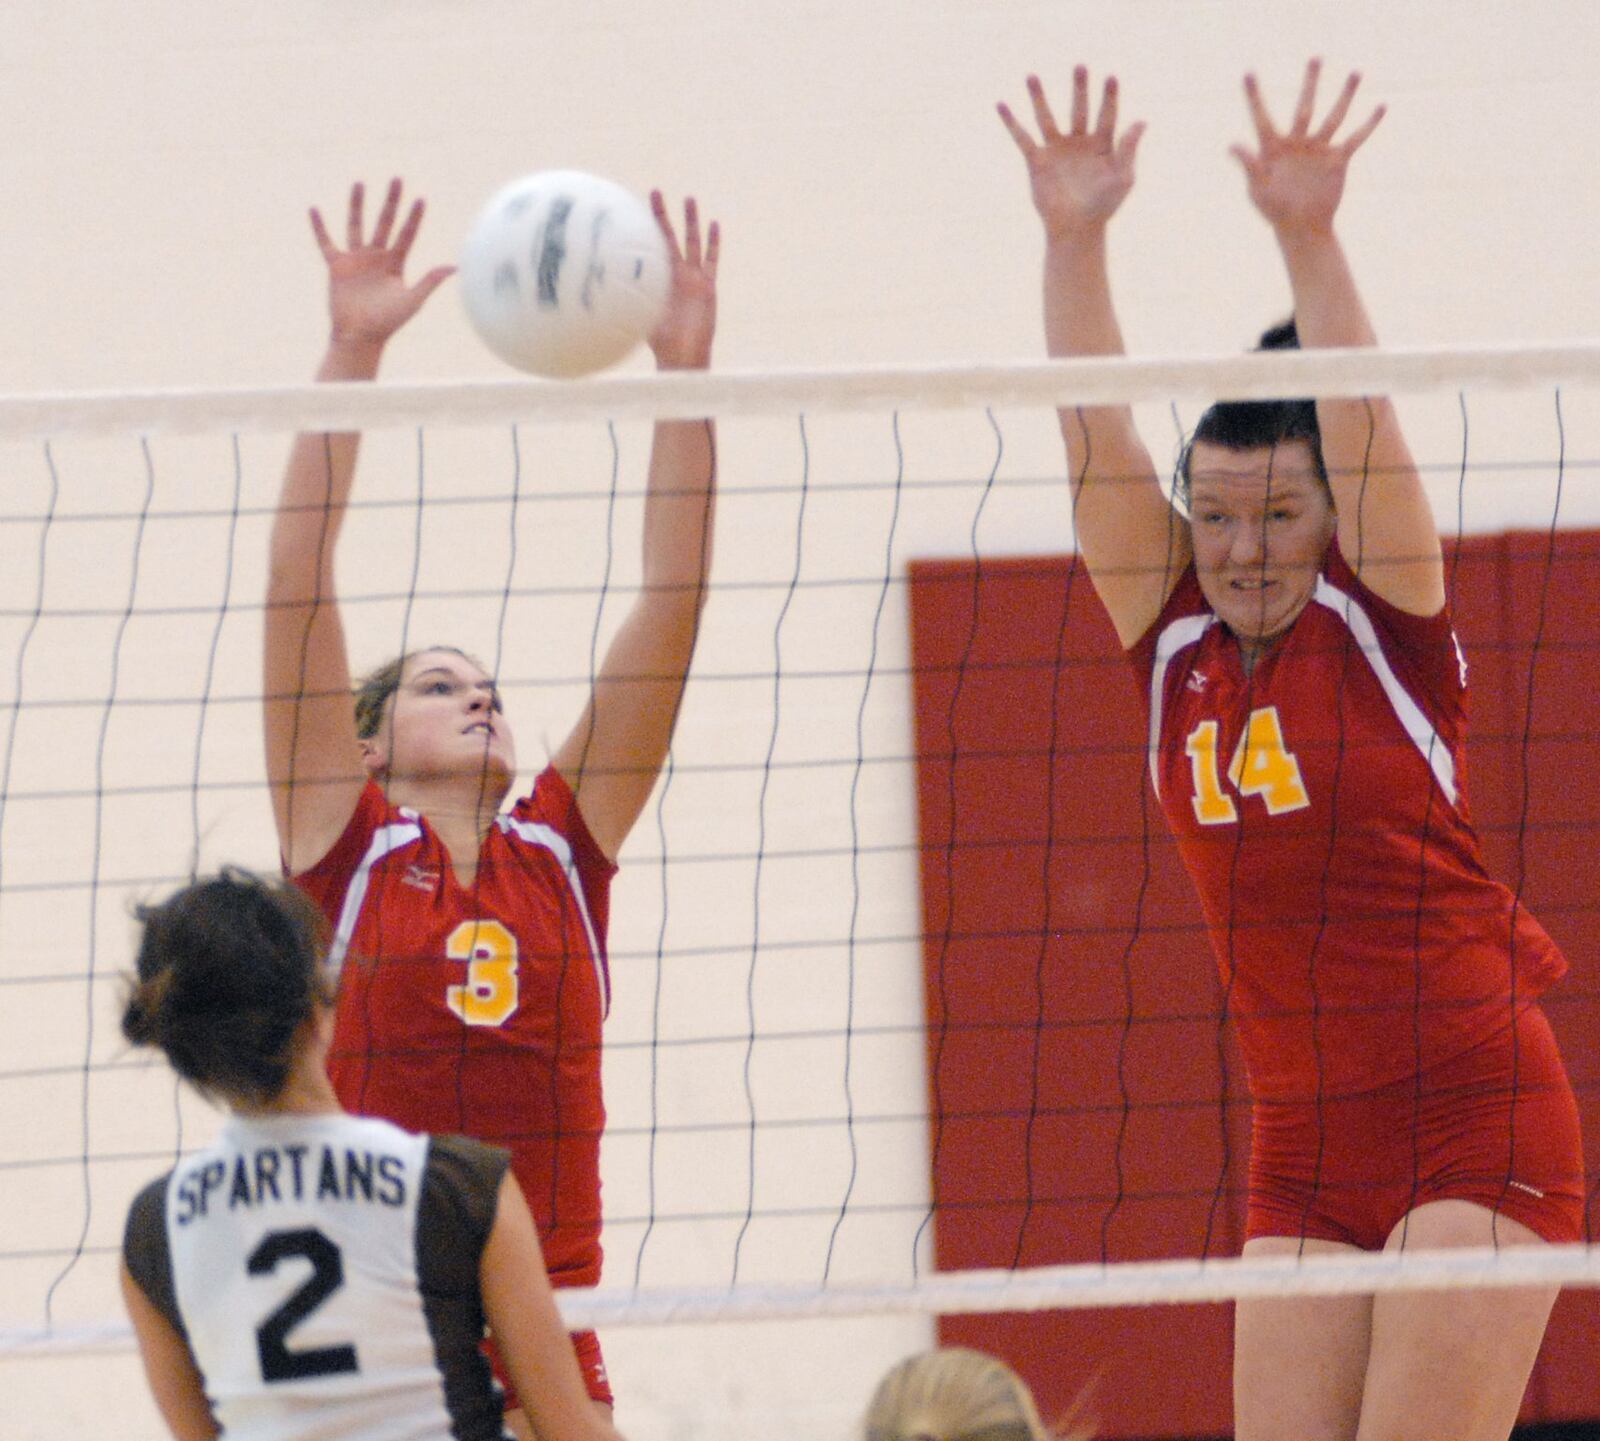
(683, 339)
(1296, 177)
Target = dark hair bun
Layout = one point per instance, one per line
(1282, 336)
(228, 970)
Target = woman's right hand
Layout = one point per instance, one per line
(368, 298)
(1080, 178)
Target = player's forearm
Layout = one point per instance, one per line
(316, 485)
(1079, 316)
(679, 514)
(1327, 305)
(1080, 319)
(1329, 313)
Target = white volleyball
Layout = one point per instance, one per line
(564, 273)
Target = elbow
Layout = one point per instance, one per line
(291, 582)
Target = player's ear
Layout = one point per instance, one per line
(373, 758)
(320, 1030)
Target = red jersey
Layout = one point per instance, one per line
(477, 1009)
(1318, 806)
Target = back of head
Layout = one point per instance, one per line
(229, 969)
(953, 1394)
(1258, 424)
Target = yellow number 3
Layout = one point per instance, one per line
(1262, 766)
(490, 994)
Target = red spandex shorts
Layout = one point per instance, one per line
(590, 1362)
(1497, 1126)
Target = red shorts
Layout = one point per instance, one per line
(590, 1362)
(1497, 1126)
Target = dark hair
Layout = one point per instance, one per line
(229, 969)
(1258, 424)
(374, 689)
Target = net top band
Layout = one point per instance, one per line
(679, 395)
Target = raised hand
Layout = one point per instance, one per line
(1081, 177)
(682, 341)
(368, 298)
(1296, 177)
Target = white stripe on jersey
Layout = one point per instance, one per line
(1415, 724)
(297, 1280)
(537, 834)
(384, 840)
(1175, 637)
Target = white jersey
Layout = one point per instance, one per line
(324, 1271)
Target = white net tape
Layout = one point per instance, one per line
(1034, 383)
(1039, 1288)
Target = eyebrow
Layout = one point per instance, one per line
(445, 670)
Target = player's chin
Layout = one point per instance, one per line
(491, 766)
(1261, 624)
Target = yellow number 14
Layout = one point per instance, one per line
(1261, 766)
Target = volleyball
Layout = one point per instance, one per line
(564, 273)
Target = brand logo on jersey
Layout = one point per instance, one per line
(420, 877)
(1197, 681)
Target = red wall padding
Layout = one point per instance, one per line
(1086, 1100)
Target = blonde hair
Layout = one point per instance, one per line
(957, 1394)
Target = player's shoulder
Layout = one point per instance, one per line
(1184, 619)
(461, 1186)
(147, 1214)
(1426, 644)
(549, 800)
(375, 817)
(462, 1157)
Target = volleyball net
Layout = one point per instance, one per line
(913, 1007)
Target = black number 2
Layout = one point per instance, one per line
(278, 1362)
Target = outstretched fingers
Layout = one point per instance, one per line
(324, 241)
(1106, 127)
(1265, 129)
(1341, 108)
(691, 231)
(1305, 112)
(1248, 158)
(352, 224)
(1019, 134)
(1305, 106)
(1128, 146)
(391, 206)
(408, 231)
(700, 253)
(383, 237)
(428, 284)
(1043, 115)
(713, 249)
(1358, 137)
(1080, 99)
(658, 208)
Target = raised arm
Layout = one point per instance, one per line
(527, 1327)
(1296, 179)
(314, 766)
(1135, 545)
(614, 754)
